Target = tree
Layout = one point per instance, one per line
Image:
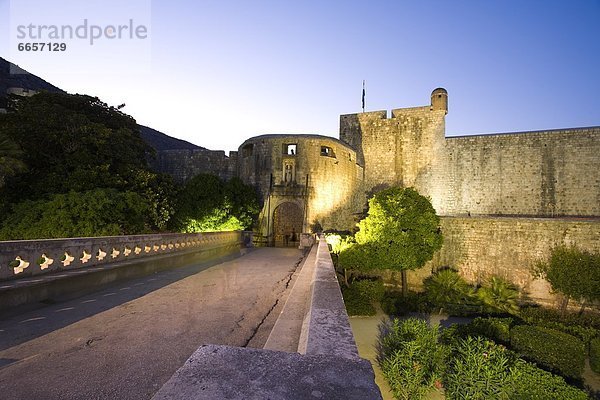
(573, 272)
(76, 143)
(206, 203)
(72, 143)
(10, 158)
(401, 232)
(98, 212)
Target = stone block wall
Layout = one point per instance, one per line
(333, 194)
(184, 164)
(480, 247)
(545, 173)
(402, 150)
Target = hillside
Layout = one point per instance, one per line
(160, 141)
(23, 79)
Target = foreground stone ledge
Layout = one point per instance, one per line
(222, 372)
(326, 329)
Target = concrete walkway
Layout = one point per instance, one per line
(127, 341)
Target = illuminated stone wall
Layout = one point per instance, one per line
(480, 247)
(333, 194)
(406, 149)
(546, 173)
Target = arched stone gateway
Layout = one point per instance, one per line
(287, 223)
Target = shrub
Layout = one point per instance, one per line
(479, 369)
(410, 356)
(496, 329)
(595, 355)
(552, 349)
(394, 303)
(532, 383)
(535, 315)
(361, 296)
(499, 296)
(447, 290)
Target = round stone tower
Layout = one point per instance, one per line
(439, 99)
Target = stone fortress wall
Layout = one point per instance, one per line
(319, 174)
(505, 199)
(545, 173)
(184, 164)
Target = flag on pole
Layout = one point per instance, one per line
(363, 97)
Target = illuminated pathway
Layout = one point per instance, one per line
(125, 342)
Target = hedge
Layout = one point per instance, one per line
(537, 315)
(479, 369)
(532, 383)
(595, 355)
(361, 295)
(410, 356)
(551, 349)
(496, 329)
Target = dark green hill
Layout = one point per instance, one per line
(26, 80)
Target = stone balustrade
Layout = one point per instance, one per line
(34, 257)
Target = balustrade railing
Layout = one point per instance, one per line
(34, 257)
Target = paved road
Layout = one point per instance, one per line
(126, 342)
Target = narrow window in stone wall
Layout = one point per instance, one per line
(327, 151)
(290, 149)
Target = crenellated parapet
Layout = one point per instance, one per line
(403, 148)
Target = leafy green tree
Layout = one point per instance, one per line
(72, 143)
(206, 203)
(75, 143)
(10, 158)
(243, 201)
(98, 212)
(401, 232)
(159, 191)
(573, 272)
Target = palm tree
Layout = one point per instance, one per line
(499, 296)
(446, 289)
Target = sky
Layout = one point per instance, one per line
(218, 72)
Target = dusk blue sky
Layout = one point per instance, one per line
(218, 72)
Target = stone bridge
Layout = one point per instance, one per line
(203, 316)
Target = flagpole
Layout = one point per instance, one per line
(363, 97)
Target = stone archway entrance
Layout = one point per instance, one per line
(287, 224)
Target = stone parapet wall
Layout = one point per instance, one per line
(326, 329)
(34, 257)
